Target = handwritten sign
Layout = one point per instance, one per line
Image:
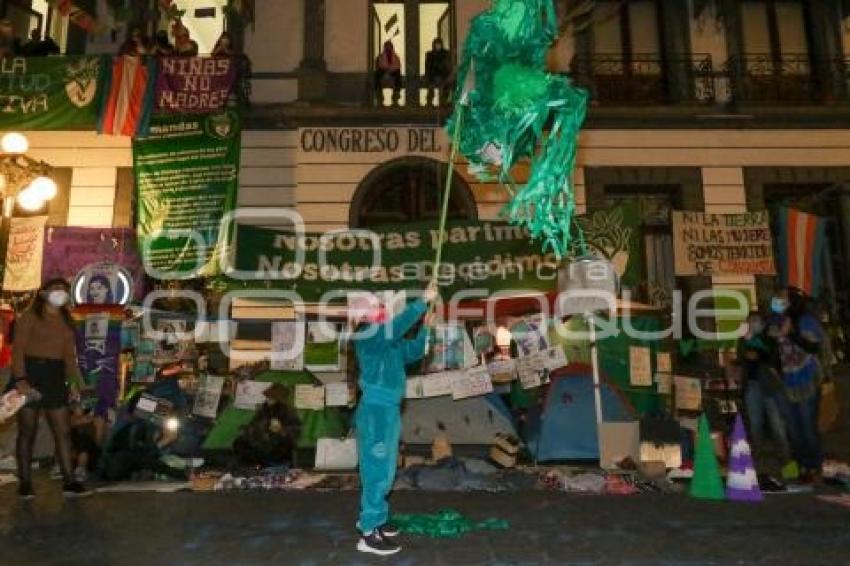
(194, 84)
(664, 383)
(664, 362)
(437, 384)
(722, 244)
(310, 397)
(249, 394)
(414, 388)
(24, 254)
(208, 396)
(288, 345)
(502, 371)
(338, 394)
(688, 393)
(473, 382)
(530, 370)
(640, 366)
(554, 358)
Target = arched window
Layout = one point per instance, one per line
(409, 189)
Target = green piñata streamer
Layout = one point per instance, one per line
(512, 109)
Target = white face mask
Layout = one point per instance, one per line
(58, 298)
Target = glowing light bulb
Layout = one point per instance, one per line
(14, 142)
(44, 187)
(30, 200)
(172, 424)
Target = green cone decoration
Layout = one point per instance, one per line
(504, 100)
(706, 483)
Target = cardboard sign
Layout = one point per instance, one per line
(473, 382)
(688, 393)
(502, 371)
(437, 384)
(24, 254)
(288, 345)
(664, 383)
(249, 394)
(722, 244)
(338, 394)
(413, 389)
(640, 366)
(208, 396)
(310, 397)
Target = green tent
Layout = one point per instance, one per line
(327, 423)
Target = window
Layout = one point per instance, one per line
(205, 21)
(409, 189)
(655, 203)
(627, 28)
(774, 27)
(389, 22)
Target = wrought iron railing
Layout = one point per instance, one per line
(615, 79)
(768, 78)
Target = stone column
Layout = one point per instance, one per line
(411, 58)
(313, 71)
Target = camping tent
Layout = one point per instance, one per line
(564, 426)
(469, 421)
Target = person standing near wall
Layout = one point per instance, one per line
(382, 353)
(44, 359)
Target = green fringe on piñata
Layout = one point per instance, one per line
(513, 110)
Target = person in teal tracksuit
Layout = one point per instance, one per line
(382, 353)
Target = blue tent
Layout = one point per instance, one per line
(563, 426)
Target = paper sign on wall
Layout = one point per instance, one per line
(309, 397)
(530, 370)
(208, 396)
(502, 371)
(640, 366)
(414, 388)
(688, 393)
(288, 345)
(663, 362)
(24, 254)
(471, 383)
(338, 394)
(554, 358)
(249, 394)
(437, 384)
(664, 383)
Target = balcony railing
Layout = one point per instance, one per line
(787, 79)
(614, 79)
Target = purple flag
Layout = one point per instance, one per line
(68, 250)
(98, 333)
(194, 85)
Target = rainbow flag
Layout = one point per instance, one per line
(128, 97)
(801, 243)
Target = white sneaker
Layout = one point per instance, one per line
(374, 543)
(81, 475)
(55, 472)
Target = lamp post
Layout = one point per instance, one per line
(23, 180)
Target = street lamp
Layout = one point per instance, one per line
(21, 177)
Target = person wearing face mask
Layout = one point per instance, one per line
(382, 352)
(44, 358)
(762, 385)
(798, 337)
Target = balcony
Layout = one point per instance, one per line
(650, 80)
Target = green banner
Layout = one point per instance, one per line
(186, 172)
(488, 256)
(49, 93)
(615, 234)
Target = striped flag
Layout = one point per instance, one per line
(801, 246)
(128, 101)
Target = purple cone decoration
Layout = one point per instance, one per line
(742, 483)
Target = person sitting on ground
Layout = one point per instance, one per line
(224, 46)
(162, 45)
(184, 45)
(272, 435)
(438, 72)
(136, 448)
(388, 67)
